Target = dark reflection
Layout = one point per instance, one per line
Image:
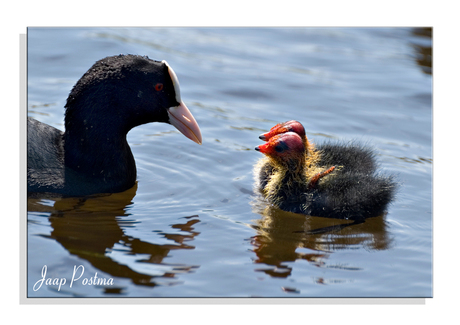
(424, 48)
(92, 228)
(284, 237)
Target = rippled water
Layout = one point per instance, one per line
(191, 227)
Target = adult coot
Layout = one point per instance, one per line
(92, 156)
(292, 179)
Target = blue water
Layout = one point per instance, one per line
(192, 227)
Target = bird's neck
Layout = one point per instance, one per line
(312, 155)
(288, 179)
(98, 153)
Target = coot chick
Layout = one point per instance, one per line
(349, 156)
(352, 156)
(297, 186)
(92, 156)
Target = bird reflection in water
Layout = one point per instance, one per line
(284, 237)
(92, 228)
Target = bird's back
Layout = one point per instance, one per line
(45, 157)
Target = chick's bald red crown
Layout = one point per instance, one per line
(280, 128)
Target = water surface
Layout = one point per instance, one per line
(191, 226)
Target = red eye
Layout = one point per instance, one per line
(158, 86)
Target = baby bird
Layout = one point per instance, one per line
(345, 155)
(297, 177)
